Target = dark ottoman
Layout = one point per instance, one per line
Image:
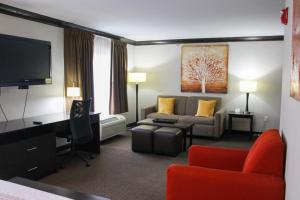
(167, 141)
(142, 138)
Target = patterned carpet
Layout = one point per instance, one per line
(120, 174)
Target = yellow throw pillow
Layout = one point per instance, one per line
(166, 105)
(206, 108)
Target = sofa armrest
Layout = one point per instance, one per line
(219, 123)
(147, 110)
(217, 158)
(194, 183)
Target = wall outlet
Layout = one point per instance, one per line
(266, 118)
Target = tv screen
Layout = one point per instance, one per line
(24, 61)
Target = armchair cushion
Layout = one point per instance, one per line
(217, 158)
(266, 156)
(195, 183)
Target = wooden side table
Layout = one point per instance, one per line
(232, 114)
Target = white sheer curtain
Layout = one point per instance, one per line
(102, 62)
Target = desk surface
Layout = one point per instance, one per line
(21, 124)
(56, 190)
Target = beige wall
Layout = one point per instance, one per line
(289, 124)
(261, 61)
(42, 99)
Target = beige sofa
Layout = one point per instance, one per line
(186, 109)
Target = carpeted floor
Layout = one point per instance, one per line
(120, 174)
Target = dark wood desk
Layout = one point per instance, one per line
(232, 114)
(55, 190)
(29, 150)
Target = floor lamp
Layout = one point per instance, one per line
(137, 78)
(247, 86)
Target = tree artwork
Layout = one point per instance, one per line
(295, 70)
(204, 68)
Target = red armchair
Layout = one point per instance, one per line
(223, 174)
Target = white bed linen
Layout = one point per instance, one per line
(12, 191)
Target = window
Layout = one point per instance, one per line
(101, 64)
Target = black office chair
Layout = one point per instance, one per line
(81, 130)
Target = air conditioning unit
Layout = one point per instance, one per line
(111, 126)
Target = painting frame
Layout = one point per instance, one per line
(295, 68)
(195, 58)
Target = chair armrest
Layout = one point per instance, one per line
(194, 183)
(219, 123)
(217, 158)
(147, 110)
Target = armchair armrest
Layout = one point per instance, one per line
(147, 110)
(194, 183)
(217, 158)
(219, 123)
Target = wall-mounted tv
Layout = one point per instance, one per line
(24, 61)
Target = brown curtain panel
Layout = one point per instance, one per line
(78, 57)
(118, 78)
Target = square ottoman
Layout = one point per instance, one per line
(167, 141)
(142, 138)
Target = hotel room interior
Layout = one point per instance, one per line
(149, 100)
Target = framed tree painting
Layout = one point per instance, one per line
(295, 71)
(204, 68)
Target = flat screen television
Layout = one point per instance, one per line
(24, 61)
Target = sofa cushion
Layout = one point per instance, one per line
(206, 108)
(192, 104)
(180, 103)
(166, 105)
(266, 156)
(197, 120)
(163, 116)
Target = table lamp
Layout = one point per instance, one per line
(248, 86)
(73, 91)
(137, 78)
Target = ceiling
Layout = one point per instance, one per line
(165, 19)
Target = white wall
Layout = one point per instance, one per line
(42, 99)
(289, 123)
(261, 61)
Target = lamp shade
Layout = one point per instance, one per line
(248, 86)
(73, 92)
(137, 77)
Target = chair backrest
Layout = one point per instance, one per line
(80, 122)
(266, 156)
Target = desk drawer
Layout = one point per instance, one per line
(37, 169)
(41, 147)
(34, 156)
